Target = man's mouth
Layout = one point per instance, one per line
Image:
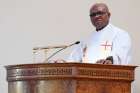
(98, 20)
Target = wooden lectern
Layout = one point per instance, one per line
(69, 78)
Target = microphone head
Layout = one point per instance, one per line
(77, 42)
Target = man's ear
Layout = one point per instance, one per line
(109, 14)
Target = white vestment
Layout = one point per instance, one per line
(110, 41)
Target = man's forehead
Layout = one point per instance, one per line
(99, 7)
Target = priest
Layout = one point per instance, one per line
(107, 45)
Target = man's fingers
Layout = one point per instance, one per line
(100, 61)
(107, 62)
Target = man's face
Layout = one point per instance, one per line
(99, 16)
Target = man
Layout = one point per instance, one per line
(107, 45)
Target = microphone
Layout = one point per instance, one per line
(49, 47)
(77, 42)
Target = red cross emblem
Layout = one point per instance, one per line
(106, 45)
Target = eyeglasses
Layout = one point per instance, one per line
(97, 14)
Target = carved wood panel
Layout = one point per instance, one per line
(69, 78)
(102, 87)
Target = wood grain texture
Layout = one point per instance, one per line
(69, 78)
(103, 87)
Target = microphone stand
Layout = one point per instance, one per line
(61, 50)
(55, 54)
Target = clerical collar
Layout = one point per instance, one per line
(102, 29)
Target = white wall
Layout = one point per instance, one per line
(25, 24)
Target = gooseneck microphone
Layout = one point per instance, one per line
(77, 42)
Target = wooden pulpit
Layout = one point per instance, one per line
(69, 78)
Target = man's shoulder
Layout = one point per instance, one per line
(121, 34)
(119, 31)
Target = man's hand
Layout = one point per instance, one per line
(110, 58)
(108, 62)
(104, 61)
(101, 61)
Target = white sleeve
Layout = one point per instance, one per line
(122, 49)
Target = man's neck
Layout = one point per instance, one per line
(99, 29)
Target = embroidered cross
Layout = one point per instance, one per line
(106, 45)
